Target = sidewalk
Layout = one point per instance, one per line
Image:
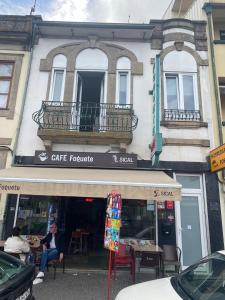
(83, 285)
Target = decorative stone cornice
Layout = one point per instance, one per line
(186, 142)
(16, 30)
(113, 52)
(199, 39)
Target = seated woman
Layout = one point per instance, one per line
(53, 248)
(16, 244)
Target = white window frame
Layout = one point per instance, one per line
(118, 86)
(180, 89)
(54, 70)
(204, 225)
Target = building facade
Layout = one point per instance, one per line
(15, 56)
(121, 107)
(212, 12)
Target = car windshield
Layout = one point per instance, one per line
(9, 268)
(205, 280)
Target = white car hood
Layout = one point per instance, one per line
(160, 289)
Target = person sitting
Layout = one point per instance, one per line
(16, 244)
(53, 248)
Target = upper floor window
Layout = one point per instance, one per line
(6, 72)
(58, 78)
(123, 81)
(180, 87)
(180, 91)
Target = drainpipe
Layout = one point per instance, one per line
(31, 46)
(208, 9)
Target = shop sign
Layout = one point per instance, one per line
(9, 187)
(86, 159)
(217, 158)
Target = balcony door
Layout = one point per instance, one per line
(89, 94)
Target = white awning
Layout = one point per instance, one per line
(132, 184)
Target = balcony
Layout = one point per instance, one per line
(85, 123)
(181, 115)
(176, 118)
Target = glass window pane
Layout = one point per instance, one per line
(171, 88)
(57, 88)
(138, 219)
(4, 86)
(188, 87)
(35, 214)
(122, 88)
(6, 69)
(191, 232)
(3, 101)
(189, 182)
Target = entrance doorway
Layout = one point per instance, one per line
(84, 222)
(190, 220)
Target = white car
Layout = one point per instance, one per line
(204, 280)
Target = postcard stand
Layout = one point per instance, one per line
(112, 229)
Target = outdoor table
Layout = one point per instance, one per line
(137, 251)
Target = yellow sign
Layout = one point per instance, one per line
(217, 158)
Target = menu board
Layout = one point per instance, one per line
(113, 221)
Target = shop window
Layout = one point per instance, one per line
(222, 35)
(35, 214)
(138, 220)
(6, 73)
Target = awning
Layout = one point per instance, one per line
(132, 184)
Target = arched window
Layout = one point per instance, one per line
(180, 84)
(58, 78)
(123, 81)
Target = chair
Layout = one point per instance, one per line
(171, 257)
(55, 263)
(123, 258)
(76, 241)
(150, 260)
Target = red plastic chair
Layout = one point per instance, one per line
(123, 258)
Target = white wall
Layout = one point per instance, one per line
(37, 87)
(142, 102)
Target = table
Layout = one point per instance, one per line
(147, 253)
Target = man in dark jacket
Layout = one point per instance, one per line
(53, 248)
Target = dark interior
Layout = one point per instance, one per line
(90, 100)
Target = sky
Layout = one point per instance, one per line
(118, 11)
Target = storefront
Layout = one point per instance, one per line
(76, 198)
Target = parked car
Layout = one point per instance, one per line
(204, 280)
(16, 278)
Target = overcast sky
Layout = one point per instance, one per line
(134, 11)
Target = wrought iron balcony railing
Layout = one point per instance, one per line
(95, 117)
(181, 115)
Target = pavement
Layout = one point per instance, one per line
(84, 285)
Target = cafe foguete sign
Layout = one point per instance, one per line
(86, 159)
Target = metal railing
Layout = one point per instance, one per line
(181, 115)
(90, 117)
